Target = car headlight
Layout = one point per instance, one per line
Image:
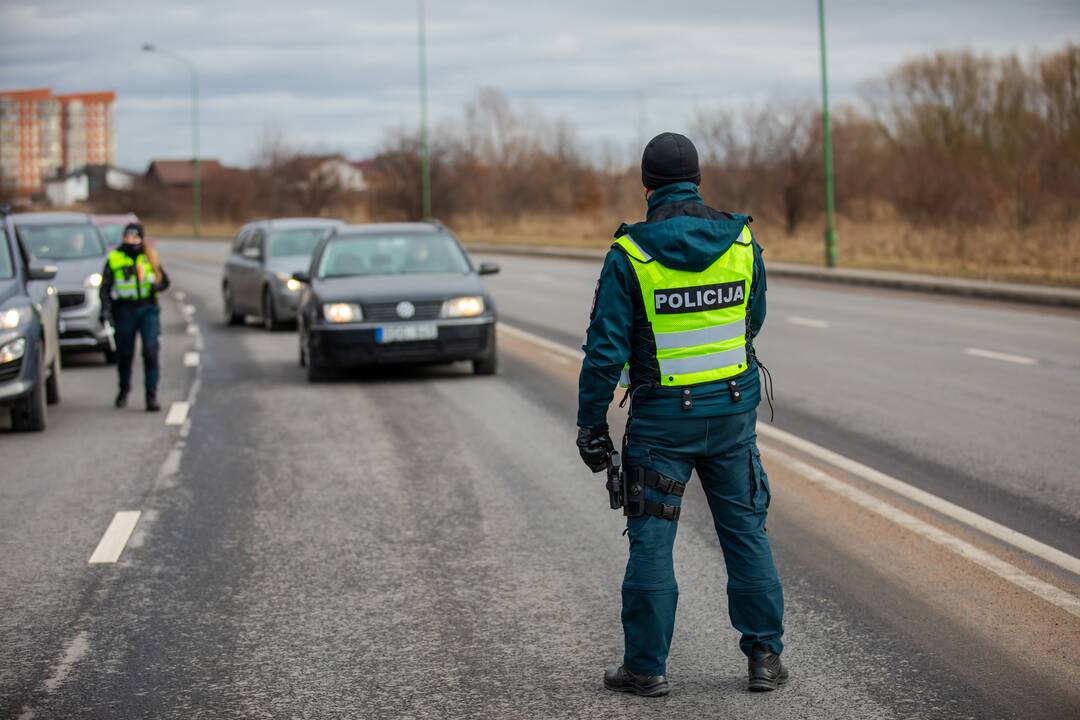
(93, 280)
(468, 306)
(15, 317)
(291, 284)
(342, 312)
(13, 350)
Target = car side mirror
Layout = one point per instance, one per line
(35, 271)
(302, 277)
(252, 253)
(488, 268)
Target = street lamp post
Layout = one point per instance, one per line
(196, 189)
(425, 162)
(826, 141)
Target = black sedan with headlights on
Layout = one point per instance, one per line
(394, 293)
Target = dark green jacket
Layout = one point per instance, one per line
(682, 233)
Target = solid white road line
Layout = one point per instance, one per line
(1003, 357)
(1056, 596)
(177, 413)
(928, 500)
(115, 537)
(807, 322)
(869, 474)
(191, 359)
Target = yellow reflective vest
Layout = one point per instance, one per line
(132, 279)
(698, 319)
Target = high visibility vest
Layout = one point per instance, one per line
(698, 319)
(132, 279)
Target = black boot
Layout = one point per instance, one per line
(622, 680)
(121, 398)
(765, 669)
(151, 401)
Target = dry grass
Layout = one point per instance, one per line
(1042, 254)
(1048, 253)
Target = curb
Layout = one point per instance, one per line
(980, 289)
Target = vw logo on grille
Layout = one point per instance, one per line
(405, 309)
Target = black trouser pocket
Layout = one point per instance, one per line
(760, 493)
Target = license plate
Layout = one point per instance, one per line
(406, 332)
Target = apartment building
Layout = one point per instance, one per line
(43, 135)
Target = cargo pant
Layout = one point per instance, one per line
(130, 320)
(724, 452)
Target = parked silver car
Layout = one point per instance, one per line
(72, 243)
(258, 274)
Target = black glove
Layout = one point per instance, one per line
(595, 446)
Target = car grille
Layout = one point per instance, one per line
(71, 299)
(387, 312)
(10, 370)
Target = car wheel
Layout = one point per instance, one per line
(52, 385)
(231, 316)
(487, 365)
(269, 312)
(316, 371)
(30, 414)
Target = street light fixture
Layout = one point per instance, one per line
(826, 141)
(196, 189)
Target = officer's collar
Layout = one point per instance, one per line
(675, 192)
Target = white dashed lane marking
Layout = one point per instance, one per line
(808, 322)
(191, 359)
(1003, 357)
(177, 413)
(115, 537)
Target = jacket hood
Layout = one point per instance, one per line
(682, 232)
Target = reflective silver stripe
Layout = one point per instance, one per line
(624, 378)
(704, 336)
(644, 254)
(701, 363)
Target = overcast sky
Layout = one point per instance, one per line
(335, 74)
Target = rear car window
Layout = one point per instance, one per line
(65, 241)
(370, 254)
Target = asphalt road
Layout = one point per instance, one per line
(426, 544)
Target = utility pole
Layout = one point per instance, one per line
(425, 161)
(826, 141)
(196, 185)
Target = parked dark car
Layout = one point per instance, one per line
(394, 293)
(29, 339)
(74, 244)
(258, 274)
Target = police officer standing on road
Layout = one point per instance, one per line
(680, 299)
(131, 281)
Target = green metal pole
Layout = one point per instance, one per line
(196, 184)
(425, 163)
(830, 205)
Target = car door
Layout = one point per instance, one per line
(232, 265)
(249, 271)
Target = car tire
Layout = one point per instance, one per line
(316, 371)
(231, 316)
(269, 312)
(487, 365)
(30, 413)
(52, 385)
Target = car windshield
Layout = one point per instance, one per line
(391, 255)
(62, 241)
(7, 268)
(299, 242)
(113, 232)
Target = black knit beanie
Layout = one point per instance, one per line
(669, 158)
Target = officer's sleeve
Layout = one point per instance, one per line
(607, 341)
(758, 288)
(105, 290)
